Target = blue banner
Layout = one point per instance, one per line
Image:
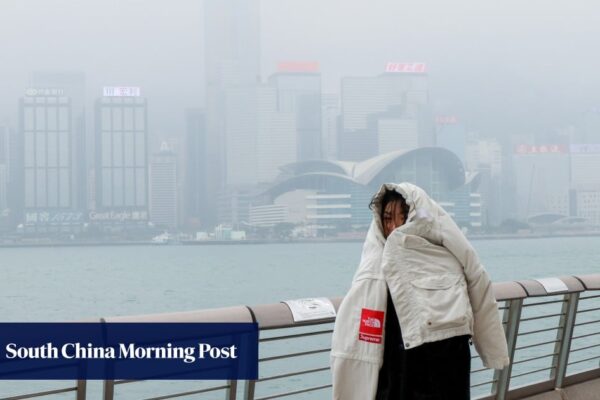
(128, 351)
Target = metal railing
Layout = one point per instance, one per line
(553, 341)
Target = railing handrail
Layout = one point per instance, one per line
(278, 315)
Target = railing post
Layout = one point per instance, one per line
(231, 392)
(249, 388)
(81, 389)
(562, 347)
(512, 316)
(108, 390)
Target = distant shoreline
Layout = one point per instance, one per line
(272, 241)
(503, 236)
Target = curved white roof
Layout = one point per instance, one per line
(364, 172)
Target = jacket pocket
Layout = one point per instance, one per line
(444, 300)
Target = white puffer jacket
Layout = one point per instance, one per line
(438, 286)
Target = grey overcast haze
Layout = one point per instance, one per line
(500, 67)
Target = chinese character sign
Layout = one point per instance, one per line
(406, 67)
(541, 149)
(121, 91)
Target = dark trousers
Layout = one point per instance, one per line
(433, 371)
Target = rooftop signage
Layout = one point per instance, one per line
(446, 120)
(298, 66)
(541, 149)
(585, 148)
(406, 67)
(33, 92)
(558, 148)
(121, 91)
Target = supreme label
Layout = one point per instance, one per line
(371, 326)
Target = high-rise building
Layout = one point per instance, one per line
(588, 127)
(542, 179)
(585, 182)
(163, 198)
(298, 86)
(330, 112)
(72, 84)
(241, 136)
(361, 97)
(484, 157)
(195, 200)
(52, 191)
(401, 94)
(4, 174)
(260, 138)
(484, 153)
(452, 135)
(587, 204)
(277, 138)
(396, 133)
(13, 162)
(234, 205)
(4, 144)
(121, 171)
(3, 191)
(585, 164)
(232, 54)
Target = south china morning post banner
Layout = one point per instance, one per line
(129, 351)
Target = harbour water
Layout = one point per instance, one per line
(70, 283)
(73, 283)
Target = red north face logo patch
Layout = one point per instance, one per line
(371, 326)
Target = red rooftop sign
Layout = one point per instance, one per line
(298, 66)
(446, 120)
(404, 67)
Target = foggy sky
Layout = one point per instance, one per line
(510, 67)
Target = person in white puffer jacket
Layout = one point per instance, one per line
(420, 293)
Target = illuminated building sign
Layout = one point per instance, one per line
(541, 149)
(33, 92)
(558, 148)
(585, 148)
(298, 66)
(404, 67)
(121, 91)
(446, 120)
(118, 216)
(53, 217)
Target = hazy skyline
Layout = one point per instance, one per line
(516, 67)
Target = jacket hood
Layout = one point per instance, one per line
(422, 209)
(422, 214)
